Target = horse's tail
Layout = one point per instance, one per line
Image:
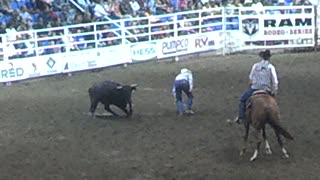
(278, 128)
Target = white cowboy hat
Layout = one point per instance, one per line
(185, 70)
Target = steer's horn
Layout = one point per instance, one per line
(119, 87)
(133, 85)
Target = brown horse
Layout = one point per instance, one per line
(263, 109)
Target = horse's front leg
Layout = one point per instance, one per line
(264, 135)
(245, 138)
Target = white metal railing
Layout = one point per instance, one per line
(230, 21)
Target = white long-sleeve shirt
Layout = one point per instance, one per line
(263, 76)
(184, 76)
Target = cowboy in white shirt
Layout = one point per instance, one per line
(263, 76)
(183, 83)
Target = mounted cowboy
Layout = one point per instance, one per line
(263, 76)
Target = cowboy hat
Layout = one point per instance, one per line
(185, 70)
(267, 54)
(261, 54)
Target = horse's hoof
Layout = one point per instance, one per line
(253, 159)
(254, 156)
(285, 156)
(268, 151)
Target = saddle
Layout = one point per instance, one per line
(256, 93)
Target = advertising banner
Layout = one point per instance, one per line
(173, 46)
(80, 60)
(289, 27)
(207, 41)
(113, 55)
(13, 70)
(49, 64)
(143, 51)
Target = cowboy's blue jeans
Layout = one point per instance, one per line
(183, 86)
(243, 99)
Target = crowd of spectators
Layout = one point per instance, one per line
(26, 15)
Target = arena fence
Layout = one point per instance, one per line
(67, 49)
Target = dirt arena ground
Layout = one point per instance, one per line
(45, 134)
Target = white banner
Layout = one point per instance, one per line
(173, 46)
(49, 64)
(206, 41)
(143, 51)
(80, 60)
(113, 55)
(289, 27)
(13, 70)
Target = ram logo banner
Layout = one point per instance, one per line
(250, 26)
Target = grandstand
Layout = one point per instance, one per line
(56, 26)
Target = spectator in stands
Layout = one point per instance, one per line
(100, 13)
(41, 5)
(11, 32)
(86, 18)
(43, 42)
(69, 13)
(78, 19)
(160, 7)
(137, 32)
(60, 42)
(111, 41)
(125, 8)
(39, 24)
(115, 12)
(89, 36)
(57, 22)
(182, 5)
(152, 6)
(258, 6)
(48, 15)
(164, 34)
(57, 5)
(152, 19)
(185, 26)
(68, 41)
(3, 27)
(288, 2)
(28, 46)
(134, 6)
(247, 3)
(79, 38)
(84, 4)
(101, 35)
(24, 14)
(5, 7)
(66, 19)
(237, 3)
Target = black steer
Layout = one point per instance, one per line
(111, 93)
